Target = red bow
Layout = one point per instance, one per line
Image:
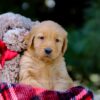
(5, 53)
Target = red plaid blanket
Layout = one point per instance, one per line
(25, 92)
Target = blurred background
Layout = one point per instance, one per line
(81, 18)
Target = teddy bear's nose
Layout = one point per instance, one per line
(48, 50)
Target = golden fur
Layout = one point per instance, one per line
(42, 70)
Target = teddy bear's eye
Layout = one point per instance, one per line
(9, 28)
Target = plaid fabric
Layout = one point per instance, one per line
(25, 92)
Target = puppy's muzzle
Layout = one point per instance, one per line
(48, 51)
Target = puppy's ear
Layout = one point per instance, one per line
(29, 39)
(64, 47)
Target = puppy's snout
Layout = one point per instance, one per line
(48, 50)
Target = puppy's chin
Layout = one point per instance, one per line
(48, 59)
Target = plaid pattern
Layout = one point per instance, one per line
(25, 92)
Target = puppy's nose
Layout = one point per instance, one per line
(48, 50)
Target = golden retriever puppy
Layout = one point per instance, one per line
(42, 64)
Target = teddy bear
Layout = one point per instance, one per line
(13, 29)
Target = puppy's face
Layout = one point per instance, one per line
(48, 41)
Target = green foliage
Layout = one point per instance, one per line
(83, 53)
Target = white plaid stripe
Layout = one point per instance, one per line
(12, 92)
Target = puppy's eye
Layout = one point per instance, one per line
(41, 37)
(57, 40)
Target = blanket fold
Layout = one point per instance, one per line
(26, 92)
